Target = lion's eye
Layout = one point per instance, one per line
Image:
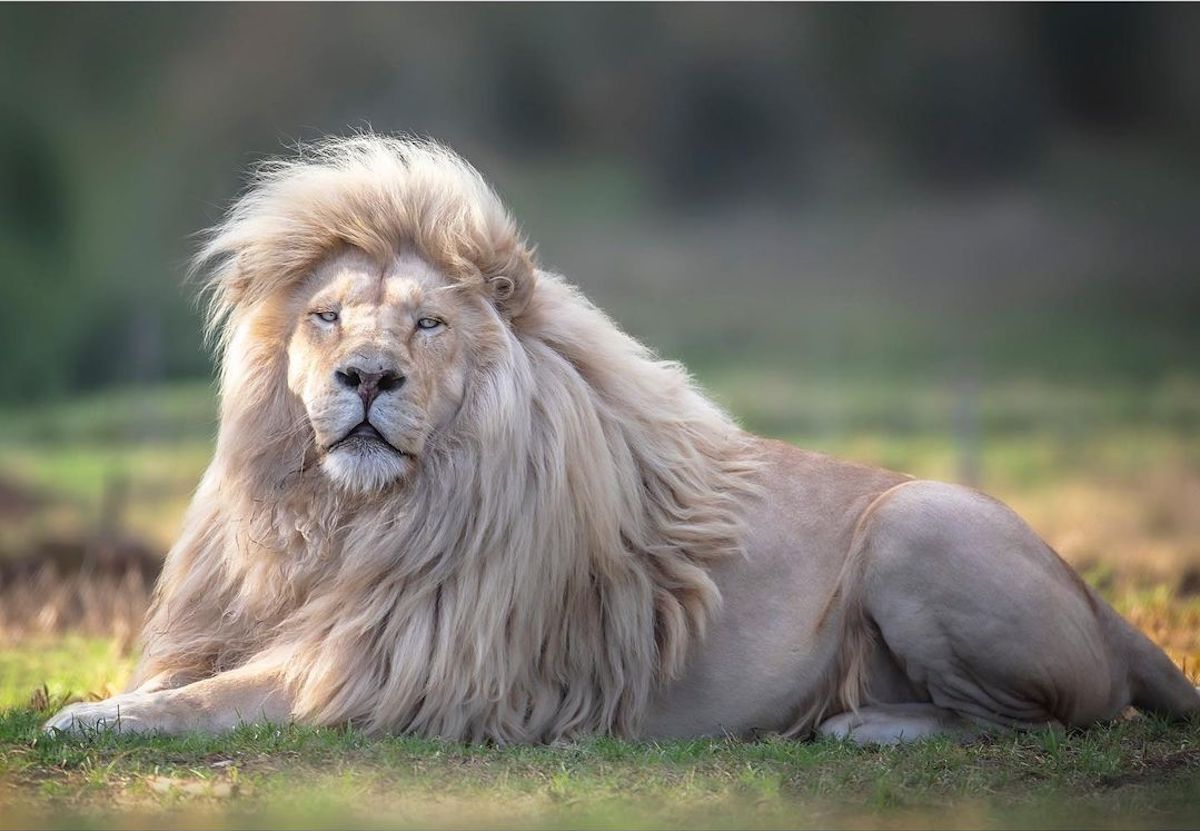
(328, 317)
(429, 323)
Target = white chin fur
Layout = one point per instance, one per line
(364, 471)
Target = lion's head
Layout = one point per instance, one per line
(372, 279)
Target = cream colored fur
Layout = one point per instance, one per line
(544, 570)
(561, 516)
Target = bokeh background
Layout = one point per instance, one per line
(961, 241)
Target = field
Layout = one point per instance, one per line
(956, 242)
(1129, 775)
(1109, 474)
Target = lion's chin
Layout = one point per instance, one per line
(365, 468)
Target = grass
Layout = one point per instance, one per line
(1110, 475)
(1137, 773)
(149, 446)
(61, 667)
(1142, 773)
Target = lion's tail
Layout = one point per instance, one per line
(1157, 685)
(844, 684)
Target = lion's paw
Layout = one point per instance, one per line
(127, 713)
(888, 724)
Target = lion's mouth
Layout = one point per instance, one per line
(365, 435)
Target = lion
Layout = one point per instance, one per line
(451, 498)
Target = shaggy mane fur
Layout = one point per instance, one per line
(548, 564)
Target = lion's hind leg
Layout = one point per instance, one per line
(983, 617)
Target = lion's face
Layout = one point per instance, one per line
(380, 358)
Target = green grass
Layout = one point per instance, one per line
(115, 417)
(1131, 774)
(80, 471)
(67, 666)
(149, 445)
(1134, 774)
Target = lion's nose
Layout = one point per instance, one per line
(369, 385)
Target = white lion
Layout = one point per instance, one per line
(451, 498)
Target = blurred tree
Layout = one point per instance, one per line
(1104, 62)
(125, 128)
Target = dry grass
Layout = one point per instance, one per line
(1138, 530)
(1171, 622)
(98, 605)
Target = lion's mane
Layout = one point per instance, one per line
(548, 564)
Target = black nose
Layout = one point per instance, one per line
(369, 384)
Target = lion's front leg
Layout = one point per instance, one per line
(247, 695)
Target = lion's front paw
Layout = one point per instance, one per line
(128, 713)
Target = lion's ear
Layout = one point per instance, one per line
(511, 290)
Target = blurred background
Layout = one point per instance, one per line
(956, 240)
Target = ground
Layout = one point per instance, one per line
(1142, 773)
(1110, 475)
